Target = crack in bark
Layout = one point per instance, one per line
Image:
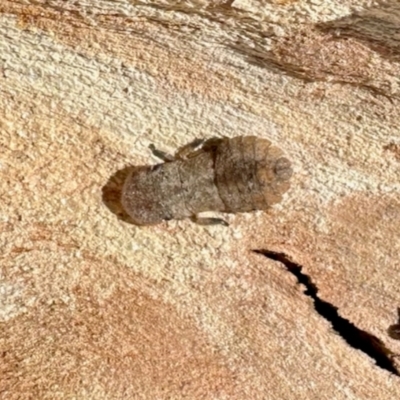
(355, 337)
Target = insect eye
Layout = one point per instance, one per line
(283, 168)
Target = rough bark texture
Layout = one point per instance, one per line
(92, 307)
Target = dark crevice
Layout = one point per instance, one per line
(355, 337)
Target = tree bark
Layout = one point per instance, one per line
(297, 302)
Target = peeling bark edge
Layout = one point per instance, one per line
(354, 337)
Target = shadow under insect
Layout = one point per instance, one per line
(112, 193)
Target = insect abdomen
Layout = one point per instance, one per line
(174, 190)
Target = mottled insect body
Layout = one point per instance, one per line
(242, 174)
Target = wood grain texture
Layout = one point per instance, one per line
(93, 307)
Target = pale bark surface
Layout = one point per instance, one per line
(93, 307)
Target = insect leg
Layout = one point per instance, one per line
(188, 149)
(209, 221)
(161, 154)
(197, 146)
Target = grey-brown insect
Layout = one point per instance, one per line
(242, 174)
